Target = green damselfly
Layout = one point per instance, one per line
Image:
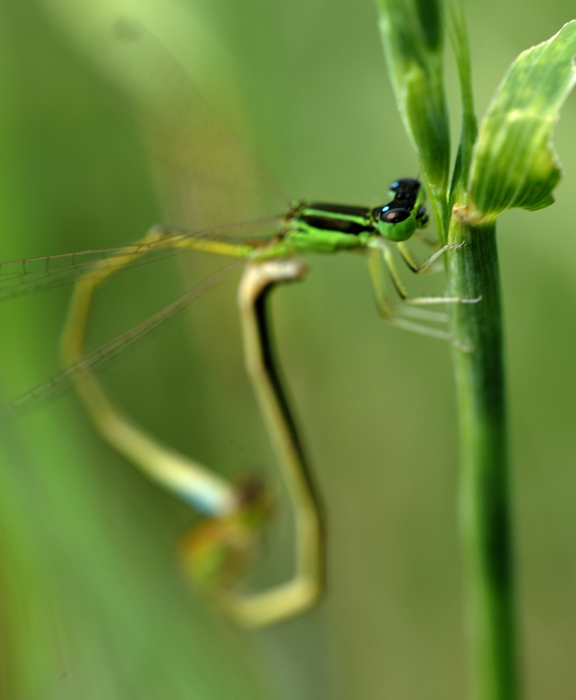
(217, 549)
(207, 179)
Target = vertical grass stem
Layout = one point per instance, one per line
(485, 516)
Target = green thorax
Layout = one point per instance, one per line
(313, 227)
(327, 228)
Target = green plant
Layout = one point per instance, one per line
(509, 163)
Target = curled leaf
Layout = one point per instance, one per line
(514, 164)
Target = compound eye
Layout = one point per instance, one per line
(405, 187)
(393, 216)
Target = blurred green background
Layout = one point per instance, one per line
(93, 604)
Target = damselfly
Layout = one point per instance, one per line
(217, 550)
(195, 156)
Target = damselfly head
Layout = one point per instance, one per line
(217, 551)
(398, 219)
(394, 223)
(407, 189)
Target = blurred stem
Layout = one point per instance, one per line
(484, 498)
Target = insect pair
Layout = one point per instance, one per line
(218, 549)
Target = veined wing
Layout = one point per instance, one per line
(208, 180)
(61, 382)
(30, 275)
(205, 174)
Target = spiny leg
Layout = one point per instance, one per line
(390, 265)
(427, 267)
(377, 269)
(399, 316)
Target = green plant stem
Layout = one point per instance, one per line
(484, 498)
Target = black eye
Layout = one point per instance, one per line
(405, 184)
(393, 216)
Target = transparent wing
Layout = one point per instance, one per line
(27, 276)
(208, 182)
(61, 382)
(206, 176)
